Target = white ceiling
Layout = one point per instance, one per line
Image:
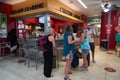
(94, 6)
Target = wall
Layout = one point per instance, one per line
(6, 9)
(32, 20)
(57, 24)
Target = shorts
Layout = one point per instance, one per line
(85, 51)
(69, 56)
(92, 47)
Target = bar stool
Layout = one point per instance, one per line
(59, 55)
(32, 50)
(59, 50)
(3, 46)
(22, 47)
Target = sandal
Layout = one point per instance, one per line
(69, 72)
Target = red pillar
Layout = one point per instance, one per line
(113, 22)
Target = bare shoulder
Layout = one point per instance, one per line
(51, 38)
(83, 34)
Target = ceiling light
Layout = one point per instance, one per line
(106, 6)
(106, 10)
(80, 1)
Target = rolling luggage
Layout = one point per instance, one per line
(75, 62)
(88, 58)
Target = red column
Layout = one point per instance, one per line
(113, 22)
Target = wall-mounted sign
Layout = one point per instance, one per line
(32, 7)
(69, 13)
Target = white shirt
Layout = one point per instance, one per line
(90, 37)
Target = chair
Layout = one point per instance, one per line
(32, 51)
(22, 47)
(59, 50)
(4, 45)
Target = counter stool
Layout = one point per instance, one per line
(22, 47)
(32, 52)
(3, 46)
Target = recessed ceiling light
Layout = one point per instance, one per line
(80, 1)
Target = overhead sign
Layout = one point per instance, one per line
(69, 13)
(32, 7)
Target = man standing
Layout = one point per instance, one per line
(91, 35)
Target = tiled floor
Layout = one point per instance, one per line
(11, 70)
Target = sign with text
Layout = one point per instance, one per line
(69, 13)
(32, 7)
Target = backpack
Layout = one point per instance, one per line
(42, 42)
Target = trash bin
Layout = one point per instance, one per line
(104, 44)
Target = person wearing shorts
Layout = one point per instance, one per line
(84, 45)
(68, 50)
(90, 35)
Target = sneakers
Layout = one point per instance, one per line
(67, 78)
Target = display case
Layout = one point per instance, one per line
(3, 25)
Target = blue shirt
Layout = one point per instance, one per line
(68, 47)
(85, 44)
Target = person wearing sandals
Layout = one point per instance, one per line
(84, 45)
(68, 50)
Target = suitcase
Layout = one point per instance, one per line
(75, 62)
(88, 59)
(54, 61)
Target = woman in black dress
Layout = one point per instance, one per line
(48, 55)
